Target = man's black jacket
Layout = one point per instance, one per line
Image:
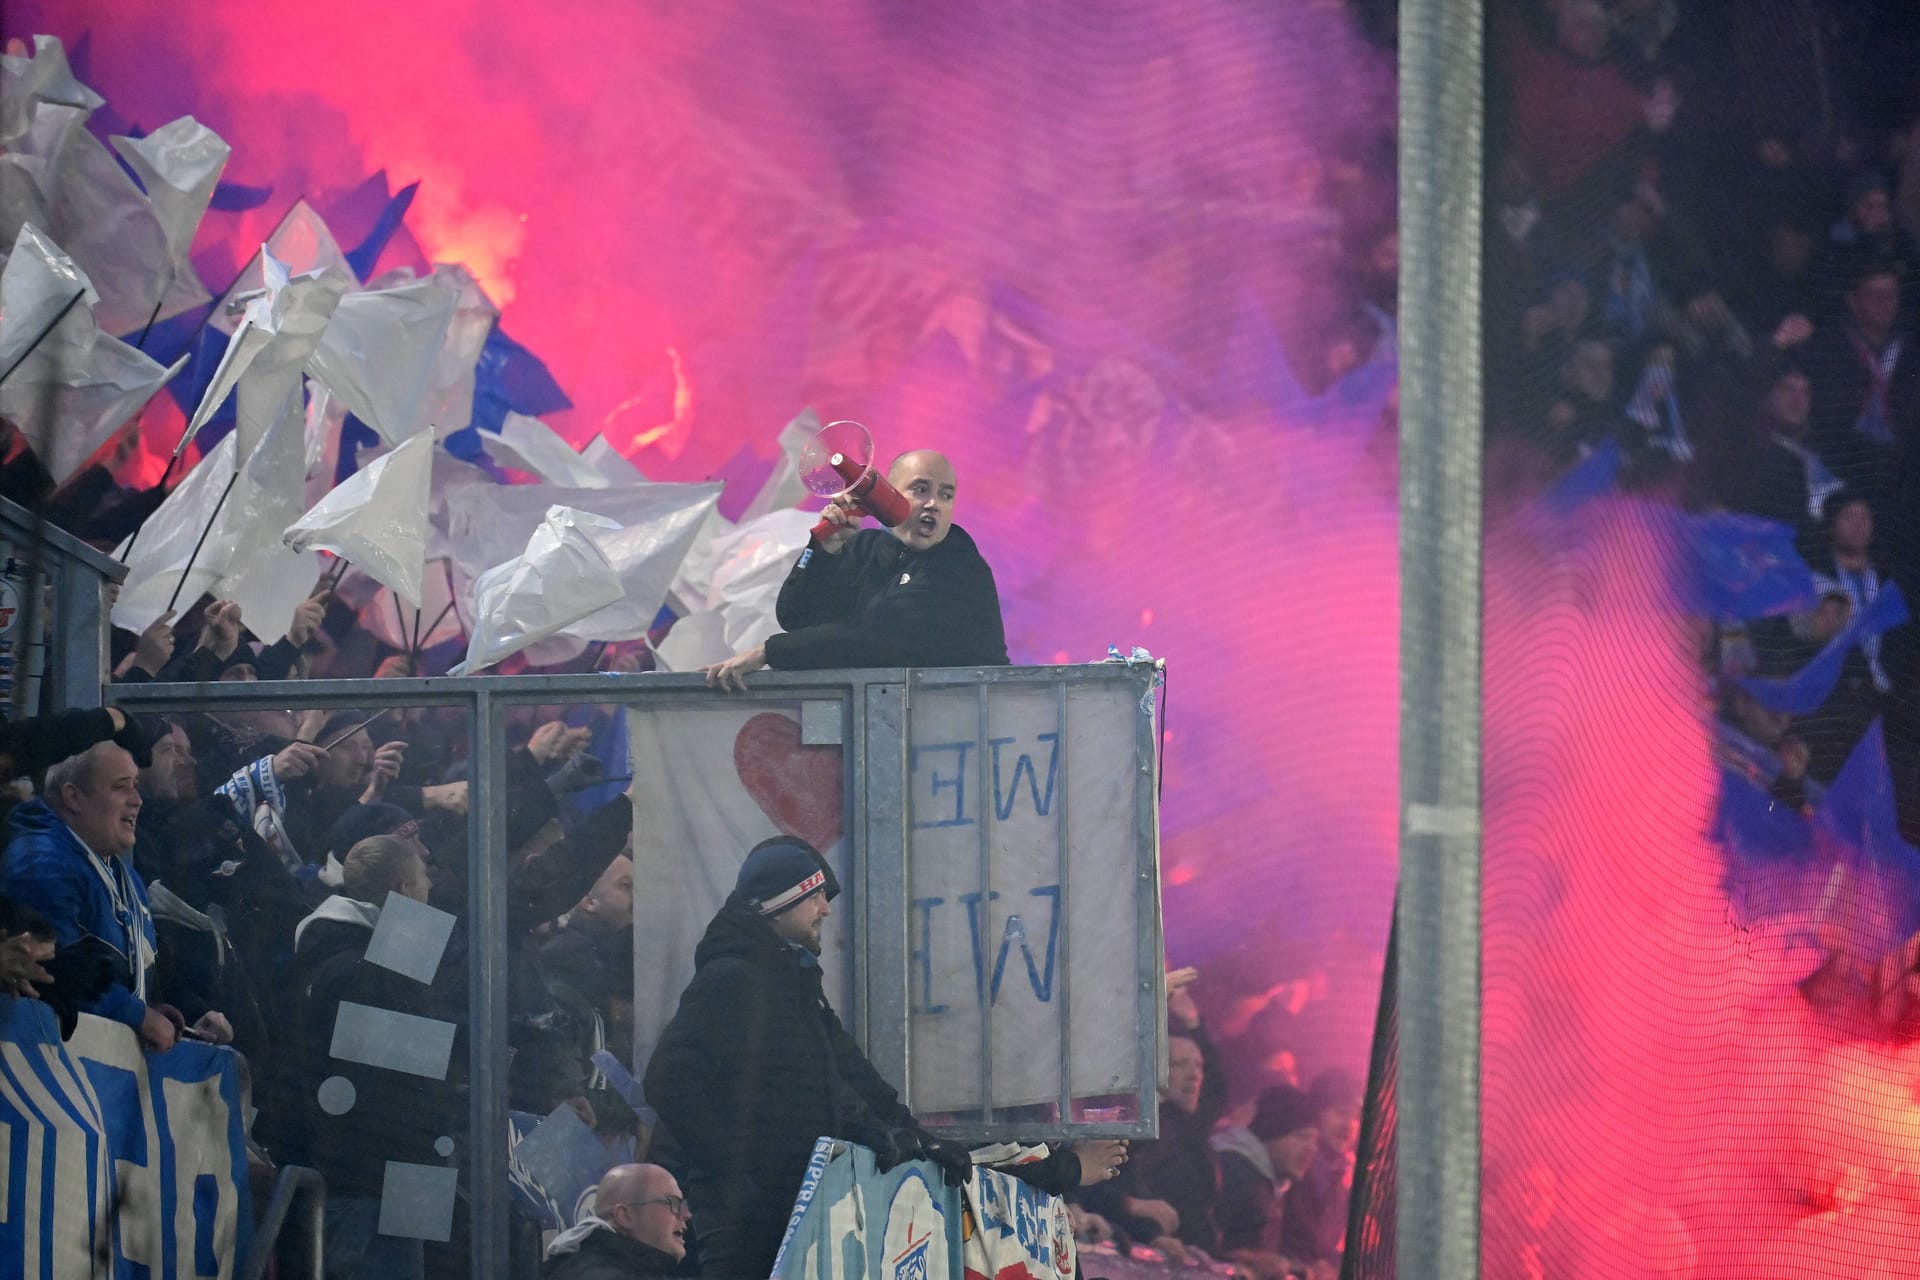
(879, 604)
(754, 1067)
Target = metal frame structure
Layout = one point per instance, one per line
(1437, 919)
(79, 576)
(878, 711)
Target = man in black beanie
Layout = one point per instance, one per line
(755, 1065)
(1258, 1164)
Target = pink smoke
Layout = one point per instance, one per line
(1100, 253)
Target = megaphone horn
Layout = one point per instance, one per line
(838, 462)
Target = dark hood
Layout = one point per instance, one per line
(739, 930)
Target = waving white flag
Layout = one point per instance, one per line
(559, 578)
(380, 351)
(377, 518)
(656, 523)
(78, 385)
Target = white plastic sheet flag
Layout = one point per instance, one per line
(695, 641)
(449, 399)
(528, 444)
(608, 461)
(166, 543)
(656, 524)
(754, 563)
(377, 518)
(179, 164)
(265, 355)
(378, 354)
(44, 77)
(39, 279)
(267, 579)
(560, 578)
(304, 244)
(783, 486)
(78, 385)
(76, 190)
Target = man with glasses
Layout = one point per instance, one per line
(638, 1227)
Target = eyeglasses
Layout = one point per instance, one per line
(676, 1205)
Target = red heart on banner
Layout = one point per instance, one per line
(797, 787)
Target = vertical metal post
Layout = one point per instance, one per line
(80, 631)
(883, 819)
(487, 944)
(986, 812)
(1440, 520)
(1062, 970)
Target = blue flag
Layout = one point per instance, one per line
(1802, 692)
(1740, 567)
(1754, 827)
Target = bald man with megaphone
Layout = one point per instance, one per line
(916, 595)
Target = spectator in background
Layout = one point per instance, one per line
(394, 1115)
(183, 843)
(1315, 1226)
(1572, 108)
(638, 1227)
(1866, 236)
(588, 962)
(1776, 472)
(1585, 416)
(1775, 280)
(1864, 376)
(1165, 1192)
(1844, 567)
(1258, 1165)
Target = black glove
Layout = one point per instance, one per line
(577, 774)
(954, 1158)
(891, 1147)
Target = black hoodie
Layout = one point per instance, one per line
(754, 1067)
(880, 604)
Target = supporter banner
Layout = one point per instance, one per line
(852, 1222)
(113, 1161)
(1039, 799)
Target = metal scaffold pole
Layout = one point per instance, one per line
(1441, 116)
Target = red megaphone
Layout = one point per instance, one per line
(838, 463)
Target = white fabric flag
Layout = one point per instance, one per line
(78, 385)
(303, 243)
(528, 444)
(657, 524)
(783, 486)
(265, 355)
(39, 279)
(377, 518)
(560, 578)
(378, 354)
(449, 399)
(607, 460)
(44, 77)
(179, 164)
(262, 575)
(85, 200)
(746, 570)
(166, 542)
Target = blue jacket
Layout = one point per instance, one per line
(47, 868)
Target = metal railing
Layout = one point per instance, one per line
(296, 1184)
(877, 706)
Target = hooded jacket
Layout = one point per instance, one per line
(394, 1115)
(1248, 1211)
(880, 604)
(47, 868)
(754, 1066)
(592, 1250)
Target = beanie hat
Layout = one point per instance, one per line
(780, 872)
(1282, 1110)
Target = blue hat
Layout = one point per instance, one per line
(780, 872)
